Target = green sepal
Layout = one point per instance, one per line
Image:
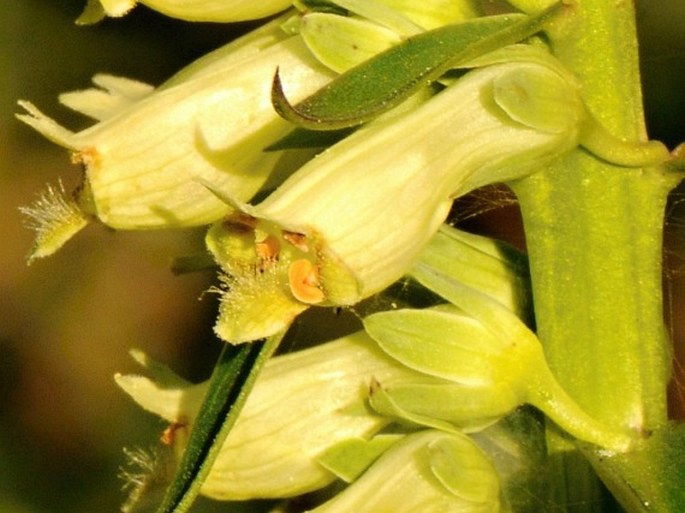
(538, 98)
(444, 344)
(233, 377)
(517, 447)
(381, 14)
(474, 479)
(384, 404)
(423, 472)
(350, 458)
(466, 408)
(484, 264)
(340, 42)
(521, 362)
(383, 82)
(489, 313)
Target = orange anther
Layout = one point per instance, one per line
(303, 277)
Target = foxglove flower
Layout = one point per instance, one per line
(302, 404)
(353, 220)
(212, 120)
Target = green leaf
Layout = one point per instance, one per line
(649, 479)
(232, 379)
(381, 83)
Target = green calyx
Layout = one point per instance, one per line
(476, 343)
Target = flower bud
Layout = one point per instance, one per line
(427, 472)
(366, 207)
(212, 121)
(302, 404)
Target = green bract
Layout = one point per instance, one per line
(378, 85)
(353, 220)
(211, 121)
(302, 404)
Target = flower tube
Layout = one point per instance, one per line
(302, 404)
(354, 219)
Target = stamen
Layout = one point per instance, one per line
(303, 277)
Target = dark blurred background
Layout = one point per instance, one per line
(67, 323)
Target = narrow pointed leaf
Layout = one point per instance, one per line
(232, 379)
(383, 82)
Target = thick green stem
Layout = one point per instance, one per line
(594, 238)
(594, 234)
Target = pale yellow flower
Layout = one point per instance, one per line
(302, 404)
(211, 121)
(355, 218)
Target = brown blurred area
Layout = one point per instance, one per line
(67, 323)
